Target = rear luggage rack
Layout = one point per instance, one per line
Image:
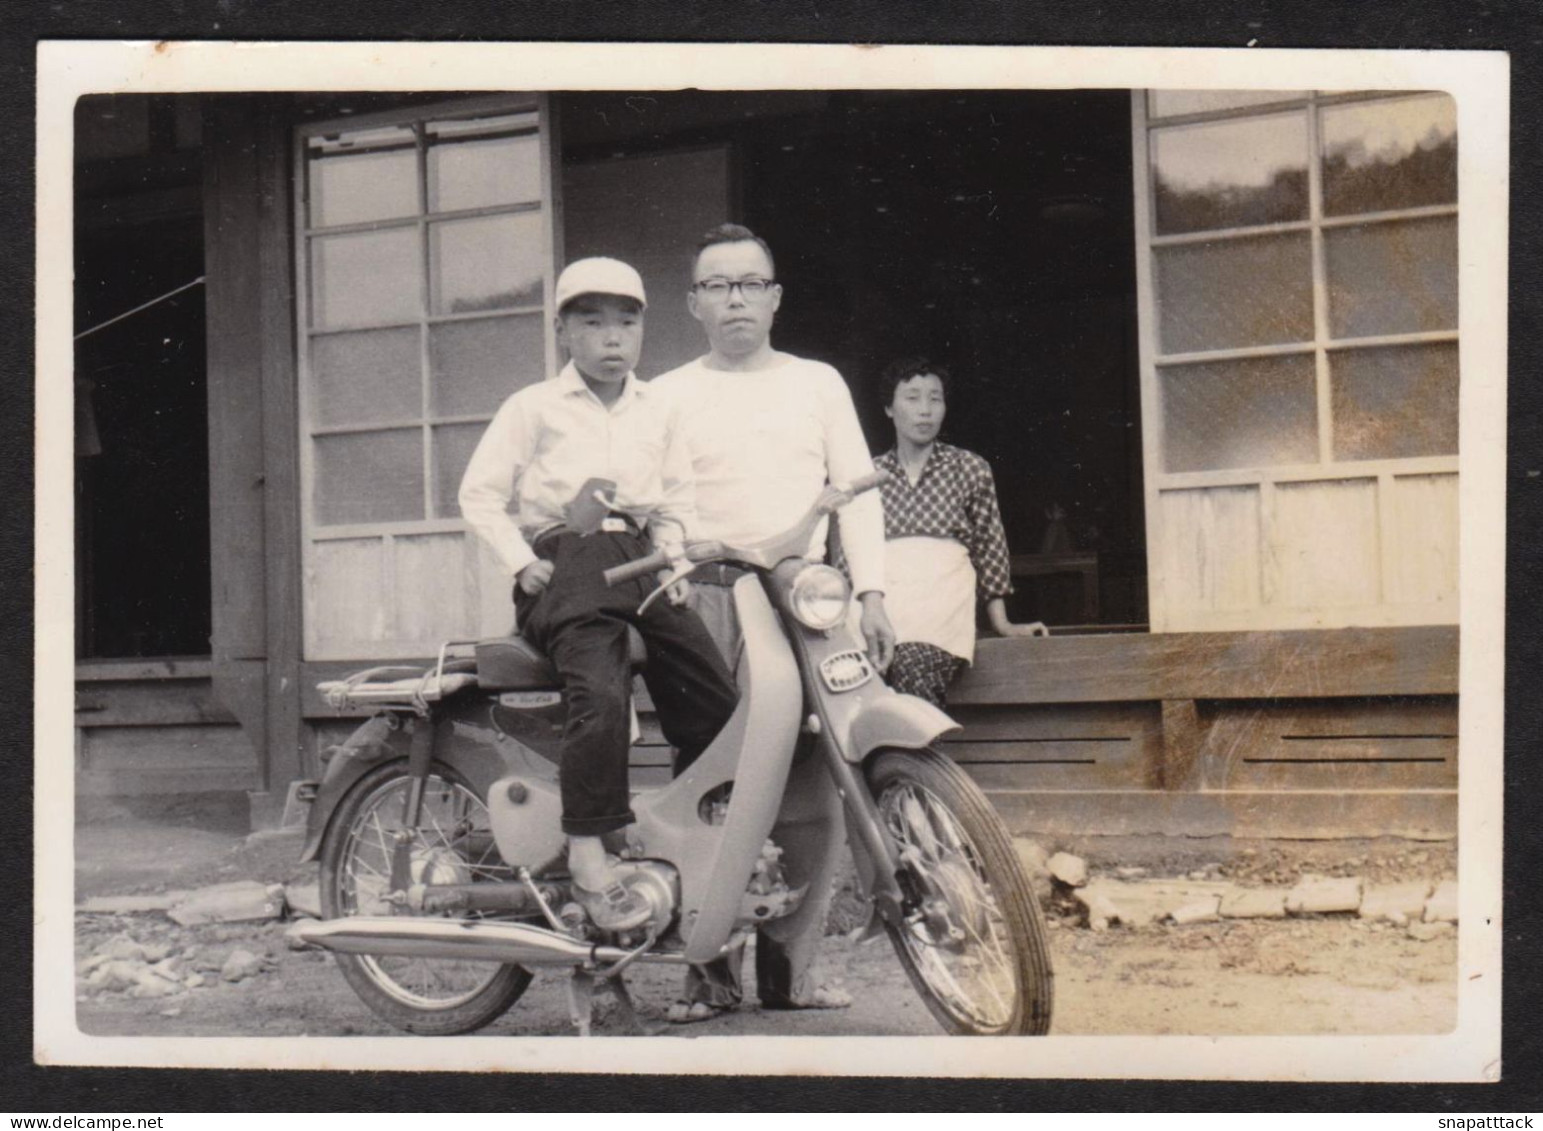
(400, 687)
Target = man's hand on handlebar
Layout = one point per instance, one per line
(877, 631)
(535, 577)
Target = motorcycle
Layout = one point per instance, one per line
(443, 871)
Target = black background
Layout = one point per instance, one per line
(1511, 25)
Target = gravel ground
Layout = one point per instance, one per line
(1333, 974)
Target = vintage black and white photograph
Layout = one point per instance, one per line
(822, 543)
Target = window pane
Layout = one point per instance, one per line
(1397, 402)
(1165, 103)
(1392, 278)
(350, 188)
(365, 277)
(1250, 413)
(477, 364)
(1234, 293)
(476, 174)
(1230, 174)
(365, 376)
(1400, 153)
(489, 263)
(453, 446)
(369, 477)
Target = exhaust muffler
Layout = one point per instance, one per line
(517, 943)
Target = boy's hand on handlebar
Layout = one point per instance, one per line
(535, 577)
(678, 592)
(877, 631)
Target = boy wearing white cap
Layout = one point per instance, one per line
(551, 447)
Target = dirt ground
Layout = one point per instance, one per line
(1332, 974)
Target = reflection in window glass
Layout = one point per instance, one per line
(1392, 278)
(476, 364)
(1395, 403)
(1255, 412)
(453, 446)
(365, 278)
(369, 477)
(488, 263)
(1392, 153)
(351, 188)
(366, 376)
(1166, 103)
(1234, 293)
(1230, 174)
(485, 172)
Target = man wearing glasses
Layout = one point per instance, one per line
(766, 431)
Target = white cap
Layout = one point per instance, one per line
(598, 276)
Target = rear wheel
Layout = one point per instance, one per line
(974, 944)
(450, 844)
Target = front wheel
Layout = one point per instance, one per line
(450, 843)
(974, 943)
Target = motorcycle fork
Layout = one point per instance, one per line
(894, 892)
(420, 754)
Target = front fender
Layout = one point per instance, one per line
(895, 720)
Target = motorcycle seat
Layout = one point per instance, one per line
(512, 663)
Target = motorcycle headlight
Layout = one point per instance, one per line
(819, 597)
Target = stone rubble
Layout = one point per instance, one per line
(1442, 905)
(235, 902)
(1068, 869)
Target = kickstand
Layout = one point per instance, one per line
(581, 1003)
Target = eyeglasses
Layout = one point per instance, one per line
(718, 289)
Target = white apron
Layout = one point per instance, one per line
(929, 593)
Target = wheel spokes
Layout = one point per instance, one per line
(971, 968)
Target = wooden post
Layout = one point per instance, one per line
(1181, 745)
(238, 638)
(281, 444)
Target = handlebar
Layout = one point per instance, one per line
(769, 551)
(638, 567)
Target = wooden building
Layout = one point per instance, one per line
(1208, 341)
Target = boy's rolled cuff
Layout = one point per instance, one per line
(596, 826)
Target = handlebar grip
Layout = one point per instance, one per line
(636, 568)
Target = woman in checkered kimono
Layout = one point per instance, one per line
(945, 548)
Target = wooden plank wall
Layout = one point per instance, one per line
(157, 727)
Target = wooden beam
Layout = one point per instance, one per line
(105, 671)
(1306, 815)
(1213, 665)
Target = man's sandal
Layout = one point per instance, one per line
(685, 1012)
(824, 997)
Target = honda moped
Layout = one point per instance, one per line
(444, 881)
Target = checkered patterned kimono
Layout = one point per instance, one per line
(954, 498)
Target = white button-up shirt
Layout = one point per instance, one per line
(763, 443)
(548, 439)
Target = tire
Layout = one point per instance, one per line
(429, 996)
(976, 949)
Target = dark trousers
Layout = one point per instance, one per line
(581, 623)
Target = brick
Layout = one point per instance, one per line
(1320, 896)
(1253, 903)
(1397, 903)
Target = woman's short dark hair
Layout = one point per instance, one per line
(731, 233)
(899, 372)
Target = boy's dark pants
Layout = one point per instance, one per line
(581, 623)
